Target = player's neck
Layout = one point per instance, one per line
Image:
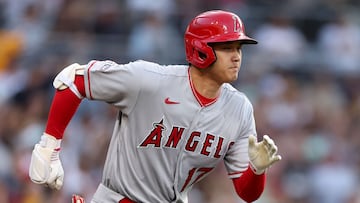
(203, 84)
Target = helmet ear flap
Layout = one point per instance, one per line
(202, 54)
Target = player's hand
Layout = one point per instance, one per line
(262, 154)
(45, 166)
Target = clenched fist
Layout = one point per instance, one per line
(45, 166)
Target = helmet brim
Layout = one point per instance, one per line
(229, 38)
(248, 40)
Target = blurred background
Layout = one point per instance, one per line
(302, 78)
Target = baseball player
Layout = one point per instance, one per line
(175, 123)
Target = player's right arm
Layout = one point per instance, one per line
(45, 165)
(98, 80)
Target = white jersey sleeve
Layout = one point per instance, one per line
(117, 84)
(236, 159)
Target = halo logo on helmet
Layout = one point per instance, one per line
(210, 27)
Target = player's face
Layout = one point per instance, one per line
(228, 60)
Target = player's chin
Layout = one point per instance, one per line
(233, 75)
(231, 78)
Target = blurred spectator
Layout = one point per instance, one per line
(281, 44)
(111, 19)
(332, 181)
(75, 16)
(282, 106)
(4, 193)
(12, 80)
(339, 45)
(31, 29)
(153, 39)
(31, 20)
(162, 8)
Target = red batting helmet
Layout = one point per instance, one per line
(209, 27)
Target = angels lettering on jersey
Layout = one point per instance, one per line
(195, 141)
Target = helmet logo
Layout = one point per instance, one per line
(237, 27)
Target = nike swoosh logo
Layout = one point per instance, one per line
(168, 101)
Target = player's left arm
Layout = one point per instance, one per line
(250, 185)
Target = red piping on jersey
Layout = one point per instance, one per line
(235, 173)
(88, 79)
(126, 200)
(203, 101)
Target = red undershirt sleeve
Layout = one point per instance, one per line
(249, 186)
(63, 107)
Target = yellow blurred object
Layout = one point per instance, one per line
(32, 199)
(10, 48)
(32, 194)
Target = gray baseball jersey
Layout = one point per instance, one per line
(164, 140)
